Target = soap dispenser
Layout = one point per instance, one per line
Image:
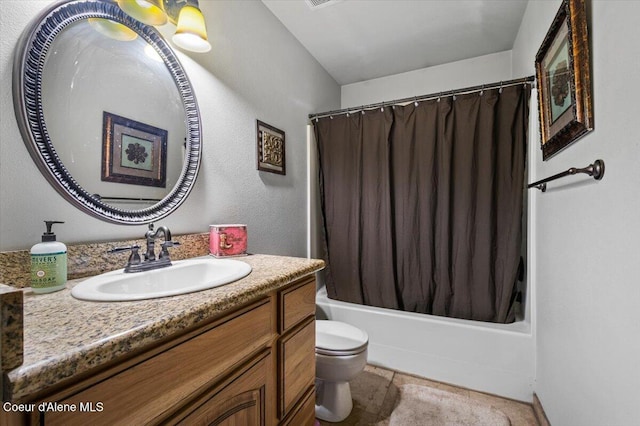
(48, 263)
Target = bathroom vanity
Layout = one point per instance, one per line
(238, 354)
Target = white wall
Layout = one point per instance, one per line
(587, 233)
(454, 75)
(256, 70)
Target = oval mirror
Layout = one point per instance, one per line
(107, 112)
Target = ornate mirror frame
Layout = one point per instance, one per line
(29, 62)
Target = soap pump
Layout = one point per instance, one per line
(48, 263)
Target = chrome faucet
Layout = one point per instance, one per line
(136, 264)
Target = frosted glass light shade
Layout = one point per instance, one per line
(191, 32)
(148, 12)
(113, 29)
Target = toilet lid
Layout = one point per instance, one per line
(339, 338)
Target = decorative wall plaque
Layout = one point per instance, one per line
(271, 149)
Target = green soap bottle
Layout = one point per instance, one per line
(48, 263)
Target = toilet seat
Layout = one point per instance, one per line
(335, 338)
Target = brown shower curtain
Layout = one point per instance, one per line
(422, 205)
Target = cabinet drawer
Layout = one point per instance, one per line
(296, 303)
(297, 365)
(152, 389)
(305, 414)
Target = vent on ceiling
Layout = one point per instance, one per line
(317, 4)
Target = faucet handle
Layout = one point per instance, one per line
(165, 246)
(170, 244)
(121, 249)
(134, 258)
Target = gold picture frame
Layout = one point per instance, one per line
(564, 80)
(271, 149)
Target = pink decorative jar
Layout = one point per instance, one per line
(228, 240)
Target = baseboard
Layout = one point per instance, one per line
(539, 412)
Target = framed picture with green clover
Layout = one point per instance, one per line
(132, 152)
(564, 80)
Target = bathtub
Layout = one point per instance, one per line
(493, 358)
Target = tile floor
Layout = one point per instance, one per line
(375, 390)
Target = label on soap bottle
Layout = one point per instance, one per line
(48, 270)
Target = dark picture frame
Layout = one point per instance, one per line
(132, 152)
(271, 149)
(564, 80)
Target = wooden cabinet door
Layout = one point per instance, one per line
(305, 413)
(242, 402)
(297, 365)
(152, 390)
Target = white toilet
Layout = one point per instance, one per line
(341, 353)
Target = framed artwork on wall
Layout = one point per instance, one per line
(132, 152)
(271, 149)
(564, 80)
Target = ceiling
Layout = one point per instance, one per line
(357, 40)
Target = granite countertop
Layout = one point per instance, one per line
(64, 337)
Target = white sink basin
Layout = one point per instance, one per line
(184, 276)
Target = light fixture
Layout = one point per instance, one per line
(191, 32)
(148, 12)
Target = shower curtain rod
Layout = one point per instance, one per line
(466, 90)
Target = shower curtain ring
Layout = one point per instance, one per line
(482, 90)
(500, 91)
(415, 101)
